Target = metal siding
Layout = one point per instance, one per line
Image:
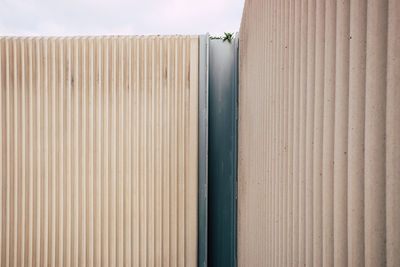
(99, 145)
(318, 173)
(203, 150)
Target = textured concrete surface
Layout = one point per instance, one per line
(319, 133)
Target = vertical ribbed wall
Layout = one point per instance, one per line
(319, 133)
(98, 151)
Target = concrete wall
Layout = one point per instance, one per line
(98, 151)
(319, 133)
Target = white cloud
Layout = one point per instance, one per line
(113, 17)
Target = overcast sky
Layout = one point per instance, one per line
(114, 17)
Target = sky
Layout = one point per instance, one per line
(118, 17)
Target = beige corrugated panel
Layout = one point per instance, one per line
(319, 133)
(99, 151)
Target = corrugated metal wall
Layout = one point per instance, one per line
(99, 151)
(319, 133)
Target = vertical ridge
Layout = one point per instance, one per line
(23, 156)
(375, 133)
(341, 135)
(76, 82)
(113, 202)
(356, 134)
(61, 155)
(191, 185)
(7, 250)
(302, 132)
(291, 46)
(120, 157)
(38, 145)
(54, 155)
(83, 197)
(175, 259)
(68, 198)
(183, 168)
(90, 147)
(328, 136)
(285, 166)
(105, 239)
(16, 176)
(98, 221)
(137, 187)
(392, 137)
(309, 182)
(168, 165)
(162, 158)
(318, 133)
(151, 196)
(46, 155)
(296, 133)
(129, 160)
(30, 239)
(143, 189)
(180, 136)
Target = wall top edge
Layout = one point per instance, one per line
(100, 37)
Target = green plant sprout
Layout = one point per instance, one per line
(227, 37)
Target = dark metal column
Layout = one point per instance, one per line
(222, 164)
